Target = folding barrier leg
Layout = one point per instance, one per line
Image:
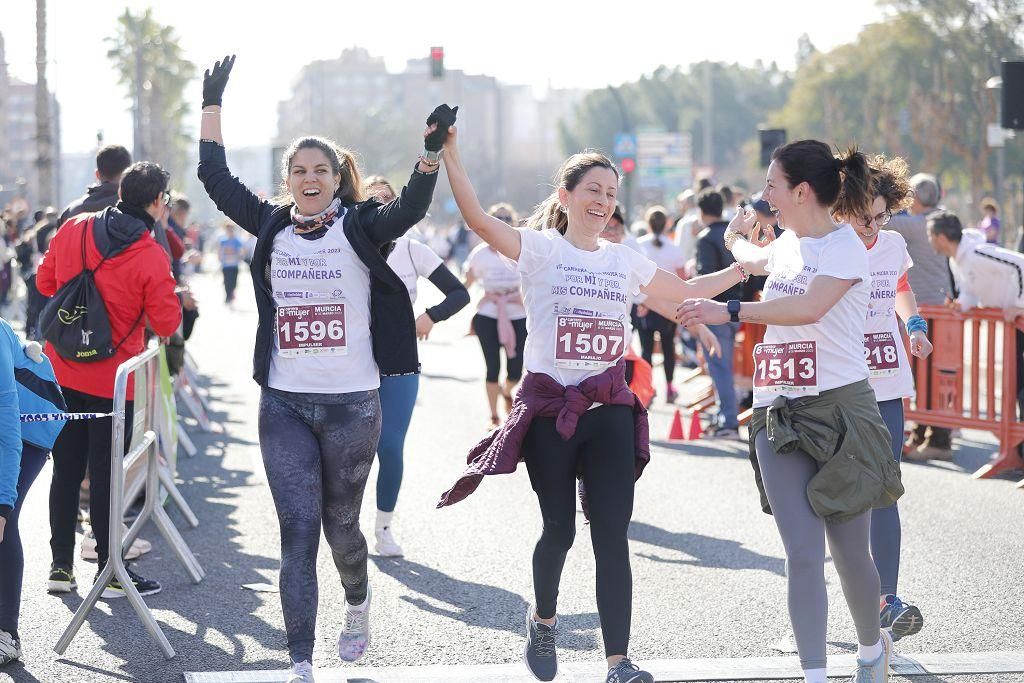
(185, 441)
(193, 384)
(178, 545)
(168, 483)
(1005, 460)
(194, 407)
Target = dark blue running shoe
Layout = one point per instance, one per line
(540, 655)
(628, 672)
(900, 618)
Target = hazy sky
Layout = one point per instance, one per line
(562, 42)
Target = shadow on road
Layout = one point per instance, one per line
(705, 551)
(478, 604)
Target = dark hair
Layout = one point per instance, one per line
(703, 183)
(726, 193)
(507, 208)
(111, 162)
(656, 219)
(841, 183)
(549, 213)
(180, 202)
(142, 184)
(710, 202)
(946, 223)
(889, 181)
(342, 161)
(617, 215)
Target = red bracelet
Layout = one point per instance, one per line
(744, 275)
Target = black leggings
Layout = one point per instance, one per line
(486, 330)
(603, 446)
(83, 445)
(666, 329)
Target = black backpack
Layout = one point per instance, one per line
(75, 320)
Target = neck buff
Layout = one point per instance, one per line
(306, 224)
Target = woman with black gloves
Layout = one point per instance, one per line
(333, 318)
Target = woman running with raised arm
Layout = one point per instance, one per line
(333, 318)
(822, 452)
(577, 290)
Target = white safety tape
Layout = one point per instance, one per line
(61, 417)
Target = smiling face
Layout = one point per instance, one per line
(311, 181)
(867, 227)
(777, 192)
(590, 204)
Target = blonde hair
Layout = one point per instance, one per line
(504, 206)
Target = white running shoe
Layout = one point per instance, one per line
(786, 644)
(140, 546)
(10, 649)
(301, 672)
(386, 545)
(354, 637)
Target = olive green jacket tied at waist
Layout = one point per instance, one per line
(843, 431)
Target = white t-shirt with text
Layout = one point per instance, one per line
(886, 354)
(668, 256)
(321, 293)
(577, 303)
(828, 353)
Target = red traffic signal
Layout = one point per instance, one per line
(628, 165)
(437, 62)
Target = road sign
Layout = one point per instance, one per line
(664, 161)
(625, 145)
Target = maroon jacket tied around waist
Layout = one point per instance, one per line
(541, 395)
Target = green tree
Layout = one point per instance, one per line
(149, 60)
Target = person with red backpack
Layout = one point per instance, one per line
(131, 273)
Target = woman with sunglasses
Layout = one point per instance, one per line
(333, 318)
(411, 260)
(500, 320)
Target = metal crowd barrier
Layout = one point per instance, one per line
(186, 388)
(970, 380)
(146, 366)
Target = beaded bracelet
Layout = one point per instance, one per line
(916, 323)
(744, 275)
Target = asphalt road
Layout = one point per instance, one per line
(708, 565)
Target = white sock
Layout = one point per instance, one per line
(384, 519)
(869, 653)
(815, 675)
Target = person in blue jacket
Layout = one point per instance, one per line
(27, 385)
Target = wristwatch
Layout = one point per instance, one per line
(733, 306)
(432, 157)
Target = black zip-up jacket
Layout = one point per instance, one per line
(96, 198)
(369, 227)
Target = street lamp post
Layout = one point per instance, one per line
(996, 84)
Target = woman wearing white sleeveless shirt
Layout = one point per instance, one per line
(578, 292)
(332, 318)
(821, 452)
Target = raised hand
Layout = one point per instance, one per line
(215, 80)
(441, 118)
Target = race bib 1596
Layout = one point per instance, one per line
(790, 368)
(587, 342)
(314, 329)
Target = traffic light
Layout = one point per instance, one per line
(437, 62)
(628, 165)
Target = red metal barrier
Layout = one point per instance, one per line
(970, 380)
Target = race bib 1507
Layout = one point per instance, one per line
(587, 342)
(790, 368)
(314, 329)
(881, 355)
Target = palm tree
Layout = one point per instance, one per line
(44, 140)
(149, 61)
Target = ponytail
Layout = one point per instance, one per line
(657, 220)
(855, 193)
(548, 214)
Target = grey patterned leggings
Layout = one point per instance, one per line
(317, 451)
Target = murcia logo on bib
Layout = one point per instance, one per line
(789, 368)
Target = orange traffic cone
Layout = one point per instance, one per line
(695, 427)
(675, 432)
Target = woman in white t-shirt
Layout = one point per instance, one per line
(411, 260)
(821, 452)
(668, 257)
(891, 375)
(500, 320)
(573, 413)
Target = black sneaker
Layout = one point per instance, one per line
(143, 585)
(539, 654)
(62, 580)
(901, 618)
(628, 672)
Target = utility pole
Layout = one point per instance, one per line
(44, 127)
(708, 116)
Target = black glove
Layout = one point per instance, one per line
(443, 116)
(214, 83)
